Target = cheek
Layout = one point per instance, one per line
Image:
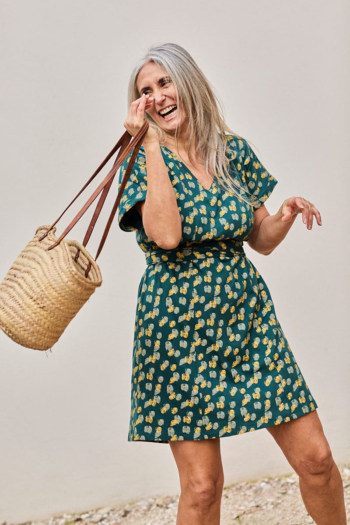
(152, 113)
(180, 108)
(182, 113)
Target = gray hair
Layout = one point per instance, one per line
(206, 125)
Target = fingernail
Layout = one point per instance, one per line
(305, 221)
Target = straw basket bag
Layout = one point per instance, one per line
(52, 278)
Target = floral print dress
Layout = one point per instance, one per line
(210, 358)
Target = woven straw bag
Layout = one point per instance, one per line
(52, 278)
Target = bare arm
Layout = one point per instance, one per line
(160, 214)
(270, 230)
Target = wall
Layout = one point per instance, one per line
(281, 70)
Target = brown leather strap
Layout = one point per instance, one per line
(125, 141)
(135, 144)
(115, 207)
(116, 147)
(119, 196)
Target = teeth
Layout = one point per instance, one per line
(167, 109)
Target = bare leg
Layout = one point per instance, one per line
(307, 450)
(201, 480)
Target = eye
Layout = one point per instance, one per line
(164, 82)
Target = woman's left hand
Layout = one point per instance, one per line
(295, 205)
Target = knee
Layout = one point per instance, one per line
(316, 462)
(205, 492)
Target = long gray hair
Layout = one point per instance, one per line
(206, 125)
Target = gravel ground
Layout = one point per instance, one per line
(272, 501)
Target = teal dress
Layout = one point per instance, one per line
(210, 358)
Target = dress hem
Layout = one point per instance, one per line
(297, 413)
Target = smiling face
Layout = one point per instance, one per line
(154, 81)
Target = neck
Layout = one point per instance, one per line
(180, 145)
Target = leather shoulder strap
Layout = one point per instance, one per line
(135, 145)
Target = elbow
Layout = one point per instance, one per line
(169, 243)
(166, 236)
(267, 252)
(259, 249)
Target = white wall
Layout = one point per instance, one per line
(281, 70)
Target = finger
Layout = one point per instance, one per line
(287, 213)
(140, 112)
(136, 110)
(301, 206)
(306, 213)
(299, 202)
(318, 217)
(136, 104)
(141, 106)
(317, 214)
(149, 102)
(133, 107)
(304, 205)
(310, 218)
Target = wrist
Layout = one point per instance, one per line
(150, 145)
(279, 217)
(279, 214)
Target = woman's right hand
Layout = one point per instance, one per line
(135, 119)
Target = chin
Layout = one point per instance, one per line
(172, 125)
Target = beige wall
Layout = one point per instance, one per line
(281, 71)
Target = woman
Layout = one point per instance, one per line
(210, 358)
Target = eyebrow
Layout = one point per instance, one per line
(159, 82)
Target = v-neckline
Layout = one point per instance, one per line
(198, 181)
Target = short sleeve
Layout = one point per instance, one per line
(135, 190)
(258, 180)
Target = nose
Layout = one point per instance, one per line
(158, 96)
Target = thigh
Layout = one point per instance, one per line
(198, 461)
(302, 440)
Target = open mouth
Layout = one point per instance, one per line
(168, 111)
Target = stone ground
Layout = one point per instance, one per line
(272, 501)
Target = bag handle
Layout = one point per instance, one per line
(115, 207)
(104, 194)
(125, 141)
(126, 146)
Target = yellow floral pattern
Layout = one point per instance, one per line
(210, 358)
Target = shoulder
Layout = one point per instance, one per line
(138, 173)
(140, 161)
(141, 155)
(236, 149)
